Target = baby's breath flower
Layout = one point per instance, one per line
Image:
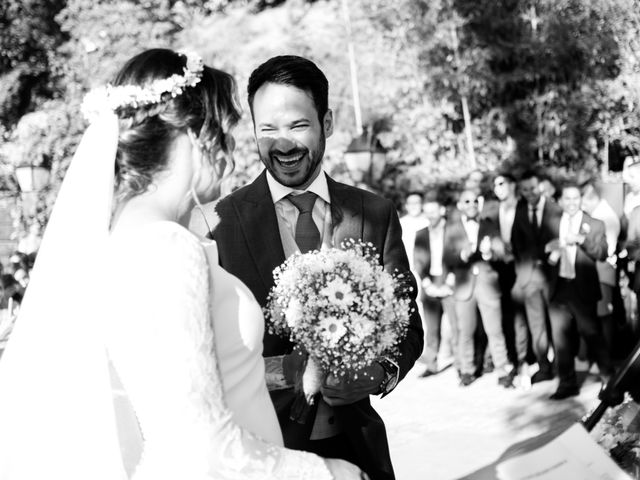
(340, 304)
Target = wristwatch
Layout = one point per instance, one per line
(391, 375)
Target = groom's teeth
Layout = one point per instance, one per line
(289, 160)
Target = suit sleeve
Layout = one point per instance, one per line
(395, 259)
(453, 245)
(632, 243)
(595, 242)
(421, 254)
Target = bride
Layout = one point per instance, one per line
(154, 370)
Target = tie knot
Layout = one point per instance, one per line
(303, 202)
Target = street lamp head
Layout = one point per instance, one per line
(33, 178)
(364, 155)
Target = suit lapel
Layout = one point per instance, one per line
(257, 215)
(346, 213)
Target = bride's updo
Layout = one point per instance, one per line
(210, 109)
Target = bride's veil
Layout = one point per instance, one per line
(57, 416)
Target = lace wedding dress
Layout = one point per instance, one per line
(185, 340)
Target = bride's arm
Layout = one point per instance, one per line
(162, 345)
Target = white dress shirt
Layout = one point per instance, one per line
(506, 217)
(287, 213)
(569, 224)
(436, 248)
(539, 210)
(471, 226)
(324, 425)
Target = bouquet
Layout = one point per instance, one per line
(342, 307)
(619, 434)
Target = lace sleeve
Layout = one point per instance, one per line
(161, 343)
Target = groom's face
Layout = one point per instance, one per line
(290, 136)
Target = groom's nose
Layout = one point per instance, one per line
(278, 144)
(283, 145)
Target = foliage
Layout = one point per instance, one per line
(29, 37)
(551, 82)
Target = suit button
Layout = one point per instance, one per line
(331, 420)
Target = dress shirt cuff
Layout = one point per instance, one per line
(391, 375)
(274, 373)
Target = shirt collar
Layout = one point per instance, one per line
(577, 216)
(319, 186)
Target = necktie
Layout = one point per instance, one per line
(307, 234)
(534, 220)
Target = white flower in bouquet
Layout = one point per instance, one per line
(293, 313)
(339, 293)
(332, 329)
(341, 306)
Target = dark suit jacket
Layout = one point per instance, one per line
(250, 247)
(593, 249)
(466, 272)
(528, 249)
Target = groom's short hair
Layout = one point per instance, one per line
(295, 71)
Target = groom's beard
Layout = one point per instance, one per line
(291, 164)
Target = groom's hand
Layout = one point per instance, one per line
(348, 390)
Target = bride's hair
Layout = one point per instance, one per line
(210, 109)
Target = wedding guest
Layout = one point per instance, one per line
(535, 213)
(155, 373)
(599, 208)
(411, 222)
(514, 324)
(435, 292)
(632, 246)
(548, 188)
(631, 177)
(468, 252)
(574, 243)
(263, 223)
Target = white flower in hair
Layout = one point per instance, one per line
(110, 98)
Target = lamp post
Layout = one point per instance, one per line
(364, 157)
(32, 180)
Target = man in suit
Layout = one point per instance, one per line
(435, 292)
(468, 250)
(412, 221)
(574, 243)
(514, 325)
(600, 209)
(534, 216)
(294, 206)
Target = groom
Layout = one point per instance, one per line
(294, 206)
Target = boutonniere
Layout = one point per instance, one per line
(586, 228)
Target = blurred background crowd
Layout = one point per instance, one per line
(506, 287)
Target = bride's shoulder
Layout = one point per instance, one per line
(165, 238)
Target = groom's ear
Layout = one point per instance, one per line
(327, 123)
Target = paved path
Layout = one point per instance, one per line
(440, 431)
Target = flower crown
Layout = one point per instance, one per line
(110, 98)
